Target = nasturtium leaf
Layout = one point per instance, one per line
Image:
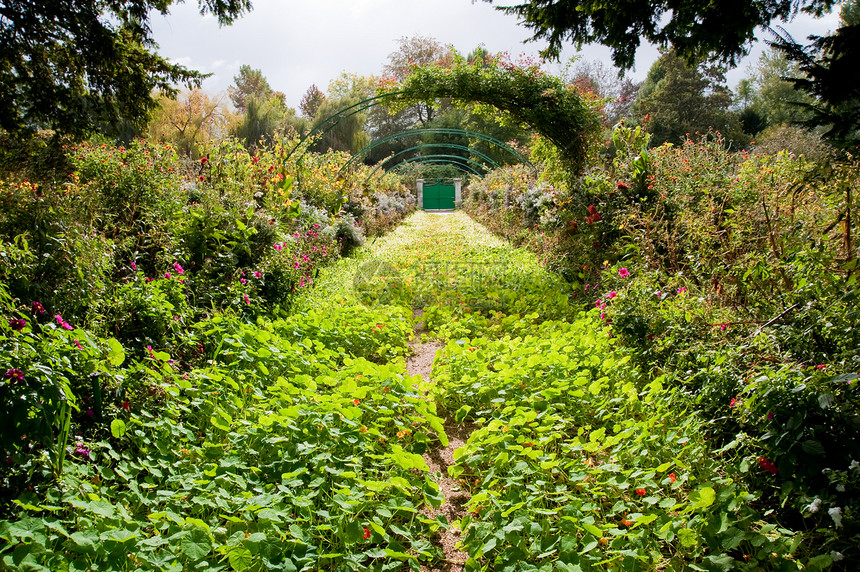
(352, 532)
(117, 428)
(195, 543)
(116, 353)
(593, 530)
(240, 558)
(702, 497)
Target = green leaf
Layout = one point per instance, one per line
(117, 428)
(240, 558)
(407, 460)
(812, 447)
(593, 530)
(116, 353)
(462, 413)
(353, 532)
(195, 543)
(702, 497)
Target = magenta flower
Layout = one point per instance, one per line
(17, 324)
(724, 326)
(178, 268)
(78, 344)
(14, 375)
(770, 415)
(247, 300)
(258, 274)
(167, 274)
(612, 295)
(133, 265)
(81, 450)
(243, 281)
(62, 323)
(681, 290)
(38, 309)
(623, 272)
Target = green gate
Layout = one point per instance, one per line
(438, 197)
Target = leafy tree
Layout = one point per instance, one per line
(311, 101)
(415, 52)
(829, 74)
(618, 92)
(249, 83)
(187, 122)
(265, 118)
(767, 98)
(677, 99)
(79, 66)
(697, 29)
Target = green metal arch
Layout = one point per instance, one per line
(329, 122)
(442, 131)
(459, 166)
(478, 154)
(426, 158)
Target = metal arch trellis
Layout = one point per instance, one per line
(478, 154)
(450, 159)
(442, 131)
(329, 122)
(426, 160)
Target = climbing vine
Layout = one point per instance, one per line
(522, 91)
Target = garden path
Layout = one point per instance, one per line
(440, 458)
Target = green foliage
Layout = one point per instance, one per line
(677, 99)
(695, 29)
(82, 69)
(522, 92)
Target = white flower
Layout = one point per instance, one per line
(853, 465)
(836, 556)
(836, 514)
(840, 488)
(814, 505)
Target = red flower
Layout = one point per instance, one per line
(641, 492)
(732, 402)
(622, 186)
(204, 160)
(768, 466)
(366, 533)
(671, 477)
(356, 401)
(126, 405)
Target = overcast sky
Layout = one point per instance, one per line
(297, 43)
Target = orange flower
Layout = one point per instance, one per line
(671, 477)
(641, 492)
(626, 522)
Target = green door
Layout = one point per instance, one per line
(438, 197)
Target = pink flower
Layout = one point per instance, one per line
(247, 300)
(623, 272)
(243, 281)
(277, 247)
(681, 290)
(612, 295)
(62, 323)
(178, 268)
(167, 274)
(258, 274)
(77, 343)
(133, 265)
(723, 327)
